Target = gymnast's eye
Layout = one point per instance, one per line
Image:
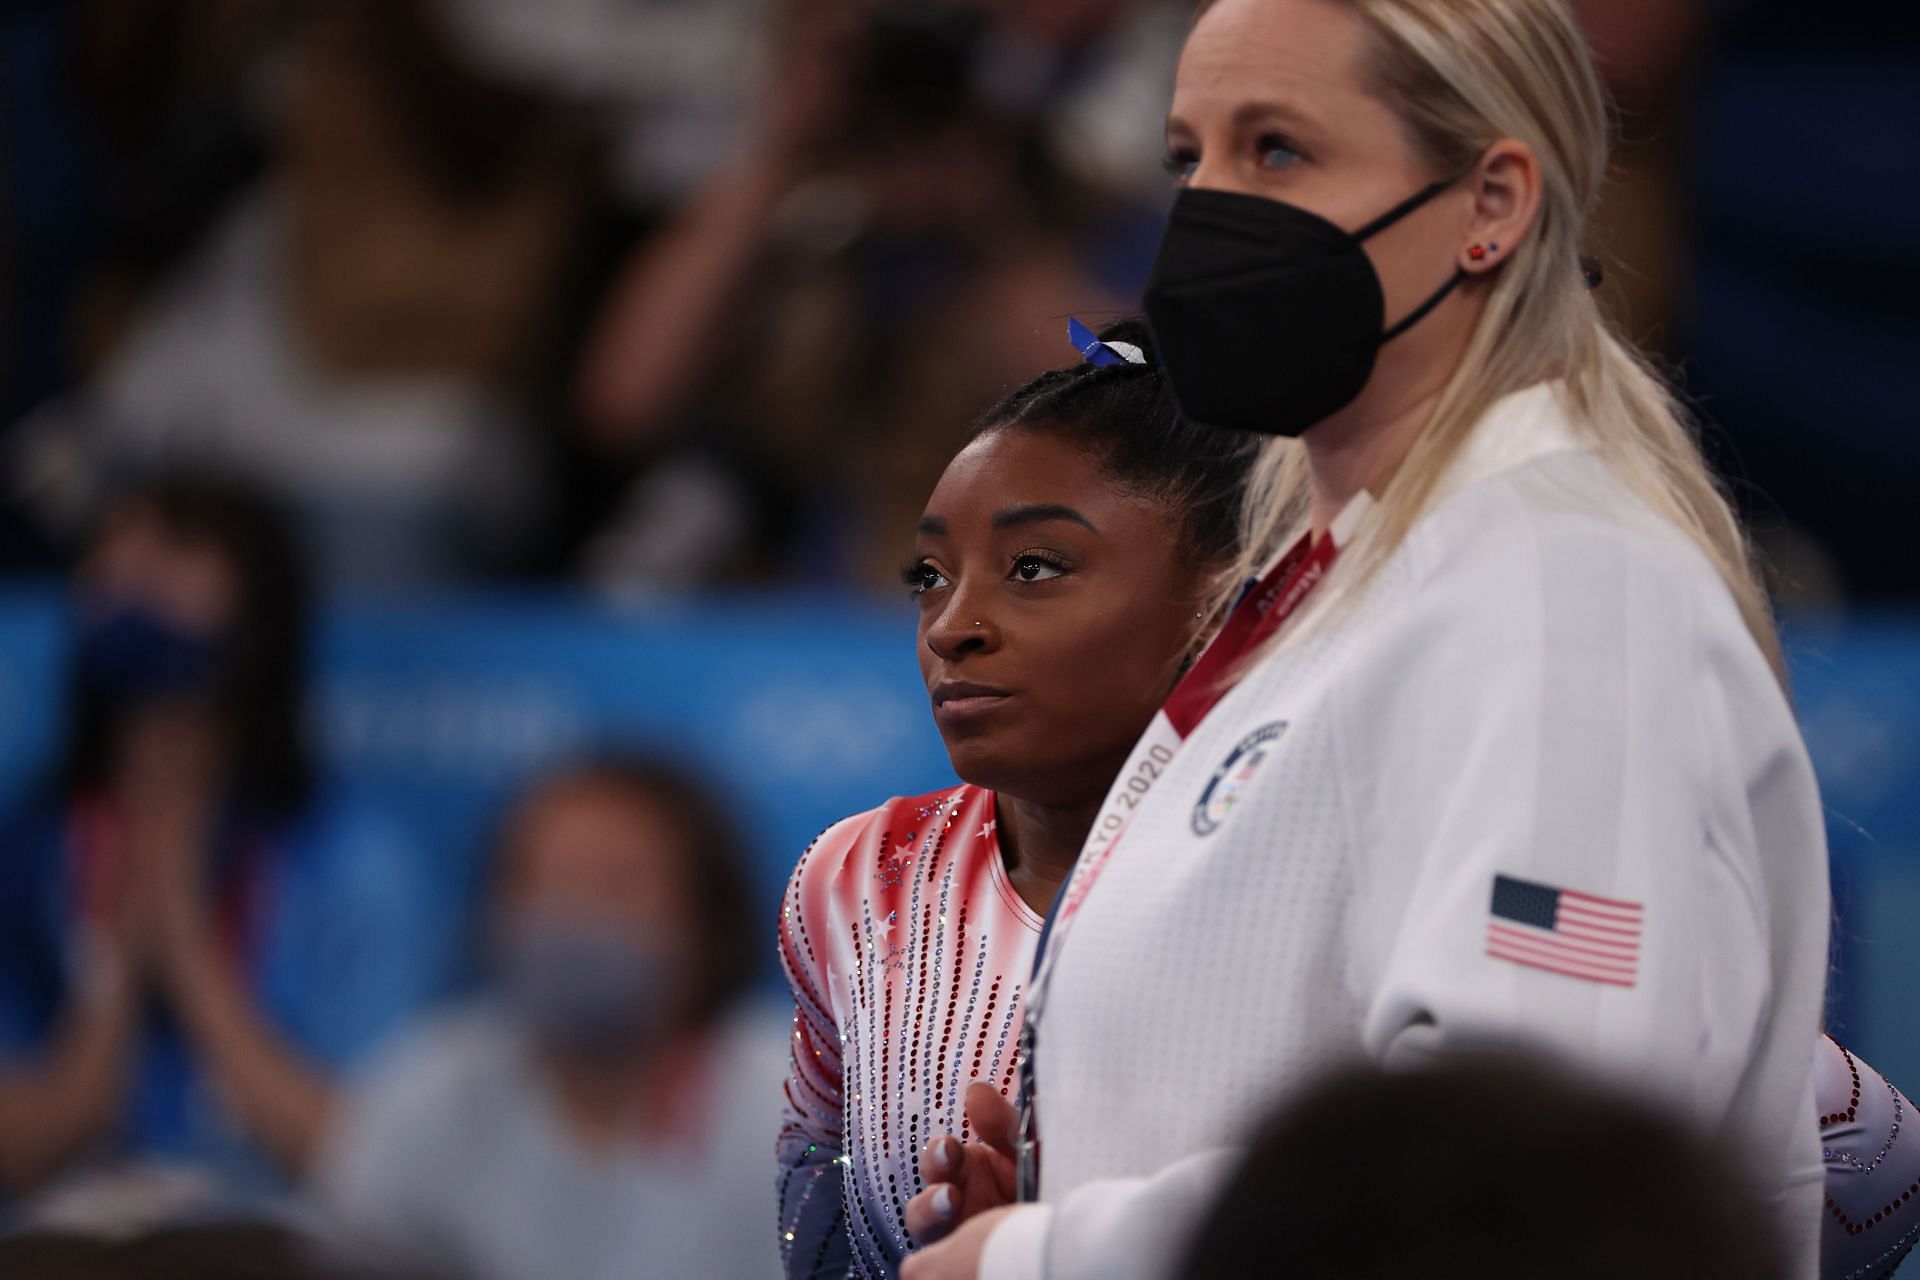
(1036, 566)
(921, 577)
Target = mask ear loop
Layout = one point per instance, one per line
(1421, 312)
(1401, 210)
(1386, 220)
(1590, 269)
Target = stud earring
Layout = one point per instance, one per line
(1478, 253)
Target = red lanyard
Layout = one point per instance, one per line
(1262, 611)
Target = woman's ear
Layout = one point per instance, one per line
(1505, 186)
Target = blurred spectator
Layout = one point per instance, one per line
(604, 1111)
(350, 250)
(664, 79)
(169, 129)
(1495, 1168)
(897, 246)
(123, 130)
(1802, 335)
(1100, 73)
(1781, 302)
(194, 935)
(364, 330)
(1645, 48)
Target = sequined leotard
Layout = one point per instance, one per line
(907, 950)
(1873, 1178)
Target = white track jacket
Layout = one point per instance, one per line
(1534, 785)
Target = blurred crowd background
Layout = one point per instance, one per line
(452, 458)
(646, 296)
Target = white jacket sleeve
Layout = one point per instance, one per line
(1119, 1229)
(1582, 713)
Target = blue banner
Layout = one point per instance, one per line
(801, 711)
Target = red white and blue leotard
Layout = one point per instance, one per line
(907, 949)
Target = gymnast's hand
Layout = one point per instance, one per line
(966, 1179)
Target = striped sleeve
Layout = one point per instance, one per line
(811, 1188)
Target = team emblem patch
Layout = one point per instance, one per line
(1230, 780)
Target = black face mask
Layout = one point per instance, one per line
(1268, 318)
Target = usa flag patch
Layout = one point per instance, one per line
(1576, 934)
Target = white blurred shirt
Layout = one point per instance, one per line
(393, 482)
(670, 79)
(452, 1159)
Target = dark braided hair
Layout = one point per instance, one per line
(1123, 416)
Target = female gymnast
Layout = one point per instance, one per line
(1063, 570)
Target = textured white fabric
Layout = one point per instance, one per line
(1546, 682)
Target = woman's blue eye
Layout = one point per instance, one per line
(1180, 164)
(1032, 568)
(1275, 153)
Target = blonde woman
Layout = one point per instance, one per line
(1499, 753)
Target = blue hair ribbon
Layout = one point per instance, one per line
(1101, 354)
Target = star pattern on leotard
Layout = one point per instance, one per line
(893, 866)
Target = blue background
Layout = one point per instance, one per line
(802, 711)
